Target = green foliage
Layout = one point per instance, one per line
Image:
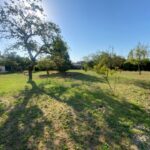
(85, 66)
(103, 59)
(46, 64)
(105, 147)
(14, 62)
(88, 63)
(106, 73)
(138, 59)
(24, 22)
(111, 60)
(104, 70)
(138, 54)
(58, 58)
(59, 55)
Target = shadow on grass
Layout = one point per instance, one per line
(22, 126)
(145, 84)
(142, 84)
(2, 109)
(10, 73)
(125, 123)
(75, 76)
(98, 119)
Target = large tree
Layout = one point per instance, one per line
(24, 22)
(57, 58)
(59, 55)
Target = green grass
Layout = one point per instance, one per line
(74, 111)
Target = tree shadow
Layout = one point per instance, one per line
(137, 82)
(97, 119)
(10, 73)
(75, 76)
(125, 123)
(2, 109)
(143, 84)
(25, 123)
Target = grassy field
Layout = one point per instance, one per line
(76, 111)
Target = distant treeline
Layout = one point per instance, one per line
(137, 60)
(14, 62)
(131, 65)
(120, 63)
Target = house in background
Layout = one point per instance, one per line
(77, 65)
(2, 69)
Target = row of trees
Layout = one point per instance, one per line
(58, 59)
(138, 60)
(14, 62)
(107, 63)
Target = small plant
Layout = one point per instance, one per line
(107, 73)
(85, 67)
(105, 146)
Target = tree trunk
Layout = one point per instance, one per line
(30, 72)
(139, 69)
(47, 72)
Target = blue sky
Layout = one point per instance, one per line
(91, 25)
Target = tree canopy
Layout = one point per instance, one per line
(138, 54)
(24, 22)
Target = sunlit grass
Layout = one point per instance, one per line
(74, 111)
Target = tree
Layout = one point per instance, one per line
(57, 58)
(88, 63)
(138, 54)
(103, 58)
(108, 59)
(46, 64)
(106, 73)
(118, 61)
(59, 55)
(23, 21)
(131, 54)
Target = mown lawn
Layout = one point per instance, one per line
(74, 111)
